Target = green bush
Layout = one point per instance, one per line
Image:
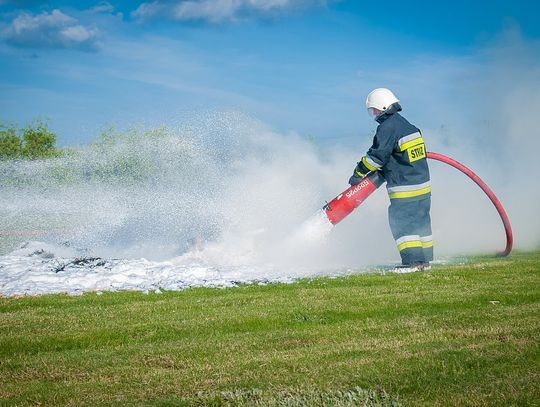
(10, 143)
(39, 142)
(32, 142)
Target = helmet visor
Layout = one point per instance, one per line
(373, 112)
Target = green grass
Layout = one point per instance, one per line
(455, 336)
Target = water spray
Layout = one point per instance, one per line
(346, 202)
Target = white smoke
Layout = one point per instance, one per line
(493, 131)
(220, 189)
(223, 189)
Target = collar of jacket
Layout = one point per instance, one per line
(396, 107)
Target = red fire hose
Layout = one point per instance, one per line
(342, 205)
(489, 193)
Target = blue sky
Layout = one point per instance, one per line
(300, 66)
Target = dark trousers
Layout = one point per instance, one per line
(411, 227)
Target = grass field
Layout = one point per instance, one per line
(457, 335)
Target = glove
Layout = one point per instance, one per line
(356, 177)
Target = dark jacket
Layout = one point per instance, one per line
(399, 154)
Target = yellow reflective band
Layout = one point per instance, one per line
(359, 173)
(427, 245)
(411, 143)
(368, 165)
(410, 245)
(409, 194)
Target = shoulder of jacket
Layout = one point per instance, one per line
(403, 120)
(388, 125)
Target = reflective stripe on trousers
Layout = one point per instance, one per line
(409, 191)
(410, 223)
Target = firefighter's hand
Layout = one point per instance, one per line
(355, 179)
(357, 175)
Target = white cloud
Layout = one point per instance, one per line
(216, 11)
(51, 30)
(102, 7)
(76, 33)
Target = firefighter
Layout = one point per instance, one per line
(398, 154)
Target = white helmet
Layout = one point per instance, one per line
(379, 100)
